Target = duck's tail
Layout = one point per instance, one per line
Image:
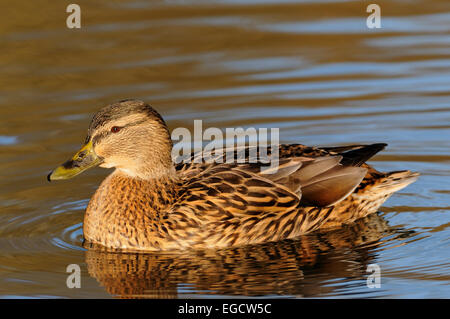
(379, 184)
(381, 188)
(393, 181)
(368, 199)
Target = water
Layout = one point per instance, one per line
(311, 68)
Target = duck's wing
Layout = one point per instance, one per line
(225, 206)
(235, 189)
(353, 155)
(319, 176)
(321, 181)
(356, 155)
(233, 204)
(197, 162)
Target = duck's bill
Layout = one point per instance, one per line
(84, 159)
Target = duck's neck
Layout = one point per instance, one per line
(155, 190)
(149, 173)
(150, 177)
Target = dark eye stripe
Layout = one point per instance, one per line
(98, 137)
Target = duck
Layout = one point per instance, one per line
(152, 203)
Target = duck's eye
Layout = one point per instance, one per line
(115, 129)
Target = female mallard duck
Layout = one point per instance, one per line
(148, 203)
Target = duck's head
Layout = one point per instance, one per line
(130, 136)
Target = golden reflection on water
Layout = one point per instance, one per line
(288, 267)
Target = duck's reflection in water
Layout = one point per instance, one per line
(303, 267)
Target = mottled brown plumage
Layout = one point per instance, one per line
(302, 267)
(148, 203)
